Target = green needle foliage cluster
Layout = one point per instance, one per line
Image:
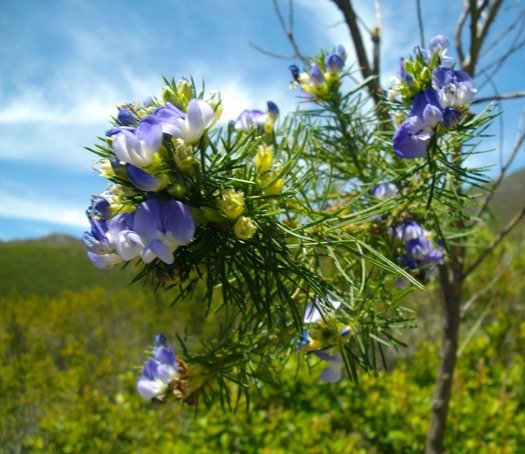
(287, 223)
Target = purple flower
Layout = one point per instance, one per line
(455, 88)
(158, 372)
(312, 314)
(111, 241)
(422, 251)
(334, 371)
(139, 146)
(249, 119)
(294, 70)
(438, 45)
(99, 207)
(334, 63)
(316, 76)
(189, 126)
(412, 137)
(126, 117)
(163, 226)
(143, 180)
(384, 191)
(407, 230)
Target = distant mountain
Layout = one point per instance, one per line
(509, 198)
(50, 265)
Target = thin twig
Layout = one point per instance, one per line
(376, 38)
(458, 32)
(271, 54)
(518, 142)
(420, 23)
(288, 31)
(473, 330)
(505, 263)
(500, 97)
(496, 241)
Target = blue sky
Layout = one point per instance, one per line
(66, 64)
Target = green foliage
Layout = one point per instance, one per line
(49, 266)
(67, 379)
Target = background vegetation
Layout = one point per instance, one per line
(72, 339)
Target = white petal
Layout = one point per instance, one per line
(148, 389)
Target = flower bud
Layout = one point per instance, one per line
(183, 156)
(263, 158)
(244, 228)
(184, 92)
(425, 75)
(168, 95)
(232, 204)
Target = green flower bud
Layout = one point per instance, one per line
(244, 228)
(232, 204)
(263, 158)
(184, 156)
(168, 95)
(425, 75)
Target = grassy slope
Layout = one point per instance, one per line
(48, 266)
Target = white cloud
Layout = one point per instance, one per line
(40, 209)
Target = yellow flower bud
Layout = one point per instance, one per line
(104, 168)
(263, 158)
(425, 75)
(244, 228)
(232, 204)
(275, 188)
(184, 156)
(168, 95)
(184, 92)
(177, 190)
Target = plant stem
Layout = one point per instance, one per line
(452, 285)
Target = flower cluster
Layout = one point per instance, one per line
(437, 95)
(157, 197)
(164, 376)
(322, 77)
(420, 252)
(324, 332)
(255, 118)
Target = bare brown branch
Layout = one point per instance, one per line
(518, 142)
(500, 97)
(496, 241)
(458, 32)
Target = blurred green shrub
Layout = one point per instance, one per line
(68, 369)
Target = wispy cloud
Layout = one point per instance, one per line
(36, 208)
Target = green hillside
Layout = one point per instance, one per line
(50, 265)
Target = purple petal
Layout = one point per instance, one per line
(332, 373)
(104, 261)
(142, 180)
(409, 144)
(124, 146)
(128, 245)
(177, 222)
(149, 370)
(165, 355)
(146, 221)
(149, 131)
(161, 250)
(170, 118)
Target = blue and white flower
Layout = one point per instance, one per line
(158, 373)
(138, 146)
(163, 226)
